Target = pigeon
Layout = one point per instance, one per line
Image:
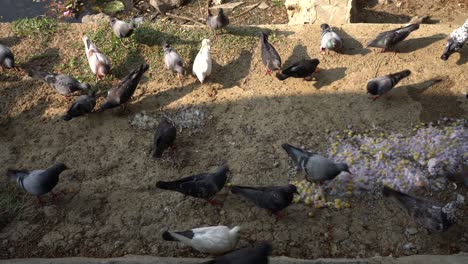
(381, 85)
(121, 28)
(212, 239)
(98, 62)
(257, 255)
(432, 216)
(316, 167)
(83, 104)
(172, 60)
(459, 177)
(456, 41)
(330, 40)
(164, 137)
(300, 69)
(270, 57)
(123, 91)
(38, 182)
(272, 198)
(63, 84)
(388, 39)
(202, 64)
(203, 186)
(217, 22)
(7, 60)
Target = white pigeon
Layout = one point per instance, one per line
(98, 62)
(202, 64)
(456, 41)
(211, 239)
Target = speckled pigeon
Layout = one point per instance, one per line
(172, 60)
(217, 22)
(381, 85)
(300, 69)
(270, 57)
(211, 239)
(84, 104)
(202, 63)
(7, 60)
(63, 84)
(456, 41)
(388, 39)
(316, 167)
(164, 137)
(432, 216)
(330, 40)
(98, 62)
(121, 28)
(257, 255)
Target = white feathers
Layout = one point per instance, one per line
(98, 62)
(202, 64)
(460, 34)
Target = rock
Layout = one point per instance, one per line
(333, 12)
(218, 2)
(411, 231)
(263, 6)
(51, 239)
(166, 5)
(50, 211)
(97, 18)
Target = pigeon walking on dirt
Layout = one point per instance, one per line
(63, 84)
(300, 69)
(270, 57)
(330, 40)
(38, 182)
(219, 21)
(164, 137)
(389, 39)
(7, 60)
(203, 186)
(202, 64)
(456, 41)
(98, 62)
(316, 168)
(83, 105)
(381, 85)
(172, 60)
(123, 91)
(257, 255)
(432, 216)
(212, 239)
(272, 198)
(121, 28)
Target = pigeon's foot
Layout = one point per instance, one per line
(279, 216)
(67, 98)
(214, 203)
(268, 72)
(308, 78)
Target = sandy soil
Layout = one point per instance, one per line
(110, 206)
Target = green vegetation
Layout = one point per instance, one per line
(277, 2)
(35, 27)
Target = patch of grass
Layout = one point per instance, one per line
(41, 28)
(277, 2)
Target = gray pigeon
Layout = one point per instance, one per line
(219, 21)
(272, 198)
(388, 39)
(330, 40)
(121, 28)
(456, 41)
(123, 91)
(38, 182)
(257, 255)
(203, 186)
(270, 57)
(316, 167)
(432, 216)
(164, 137)
(7, 60)
(172, 60)
(381, 85)
(84, 104)
(63, 84)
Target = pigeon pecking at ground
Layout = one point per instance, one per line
(300, 69)
(203, 185)
(270, 57)
(218, 21)
(212, 239)
(330, 40)
(38, 182)
(172, 60)
(7, 59)
(121, 28)
(98, 62)
(257, 255)
(164, 137)
(316, 167)
(381, 85)
(123, 91)
(272, 198)
(456, 41)
(432, 216)
(389, 39)
(84, 104)
(63, 84)
(202, 64)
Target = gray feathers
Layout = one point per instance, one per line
(270, 57)
(272, 198)
(63, 84)
(330, 40)
(37, 182)
(388, 39)
(7, 60)
(84, 104)
(218, 21)
(121, 28)
(172, 60)
(381, 85)
(164, 137)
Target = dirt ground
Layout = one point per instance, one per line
(110, 206)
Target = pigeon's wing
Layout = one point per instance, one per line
(381, 41)
(263, 197)
(384, 84)
(298, 69)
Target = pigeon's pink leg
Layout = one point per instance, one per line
(66, 98)
(374, 98)
(213, 202)
(279, 215)
(268, 72)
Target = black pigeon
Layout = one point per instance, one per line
(270, 57)
(84, 104)
(124, 90)
(7, 60)
(164, 137)
(381, 85)
(434, 217)
(301, 69)
(257, 255)
(203, 186)
(37, 182)
(388, 39)
(217, 22)
(63, 84)
(272, 198)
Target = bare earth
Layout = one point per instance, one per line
(110, 206)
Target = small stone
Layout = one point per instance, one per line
(411, 231)
(11, 250)
(118, 244)
(50, 211)
(263, 6)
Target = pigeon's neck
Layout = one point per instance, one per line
(56, 169)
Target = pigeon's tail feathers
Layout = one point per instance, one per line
(172, 186)
(209, 262)
(168, 237)
(413, 27)
(387, 192)
(396, 77)
(67, 117)
(281, 76)
(236, 189)
(294, 152)
(13, 174)
(37, 74)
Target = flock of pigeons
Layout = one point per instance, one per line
(221, 239)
